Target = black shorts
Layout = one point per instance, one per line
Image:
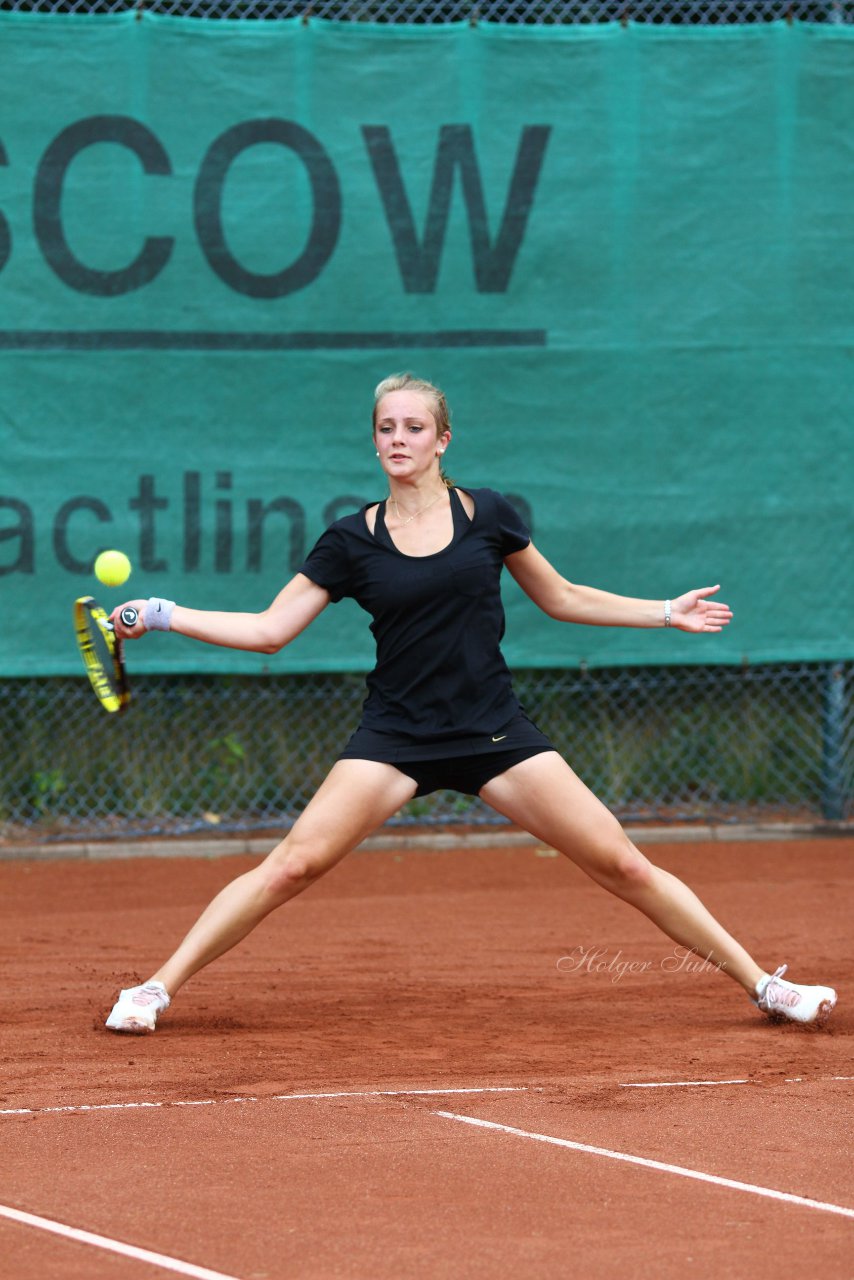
(463, 765)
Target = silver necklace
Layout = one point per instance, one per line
(419, 512)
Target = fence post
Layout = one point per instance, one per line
(832, 735)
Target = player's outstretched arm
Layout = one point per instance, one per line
(296, 605)
(568, 602)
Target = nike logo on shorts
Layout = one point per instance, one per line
(499, 737)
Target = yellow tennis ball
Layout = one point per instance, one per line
(112, 568)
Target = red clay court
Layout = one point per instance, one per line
(467, 1063)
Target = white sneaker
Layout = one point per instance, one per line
(786, 1001)
(137, 1008)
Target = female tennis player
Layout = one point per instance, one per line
(440, 710)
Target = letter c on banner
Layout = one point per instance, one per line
(50, 178)
(326, 218)
(68, 509)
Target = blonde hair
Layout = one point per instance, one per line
(430, 392)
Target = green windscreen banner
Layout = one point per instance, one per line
(625, 253)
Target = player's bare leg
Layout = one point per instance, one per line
(357, 797)
(543, 795)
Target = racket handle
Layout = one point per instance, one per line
(129, 616)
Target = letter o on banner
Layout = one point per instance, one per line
(326, 217)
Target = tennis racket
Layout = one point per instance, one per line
(102, 652)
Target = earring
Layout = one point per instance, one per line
(378, 453)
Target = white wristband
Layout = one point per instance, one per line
(157, 614)
(667, 607)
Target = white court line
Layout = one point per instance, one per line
(654, 1164)
(113, 1246)
(370, 1093)
(694, 1084)
(276, 1097)
(403, 1093)
(682, 1084)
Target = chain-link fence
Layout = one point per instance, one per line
(669, 12)
(231, 753)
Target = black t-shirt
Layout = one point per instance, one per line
(437, 620)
